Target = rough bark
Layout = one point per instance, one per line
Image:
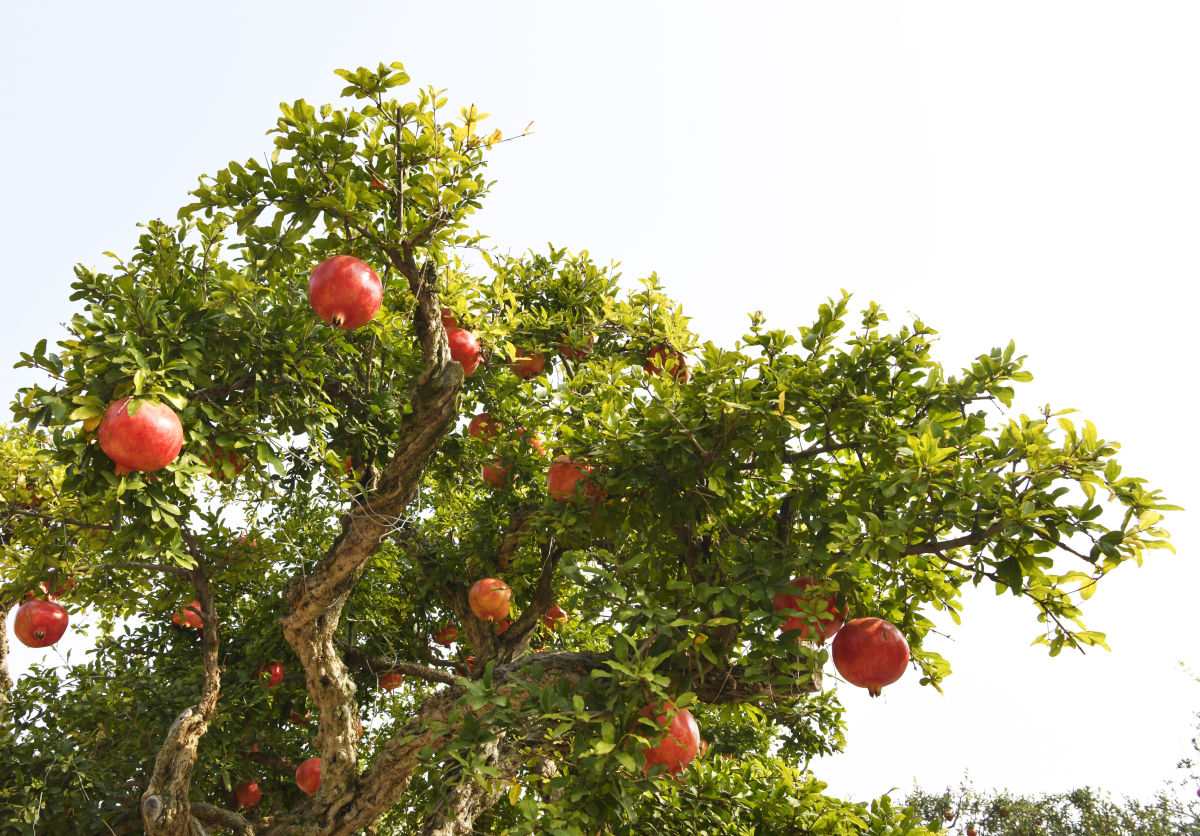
(465, 801)
(166, 810)
(315, 602)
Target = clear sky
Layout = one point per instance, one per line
(1024, 170)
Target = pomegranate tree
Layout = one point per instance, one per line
(40, 623)
(870, 653)
(489, 599)
(345, 292)
(308, 776)
(148, 440)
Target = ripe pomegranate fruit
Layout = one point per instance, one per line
(533, 441)
(447, 635)
(490, 599)
(502, 626)
(391, 681)
(870, 653)
(345, 292)
(464, 349)
(528, 366)
(360, 729)
(564, 478)
(823, 629)
(308, 776)
(661, 359)
(484, 427)
(971, 831)
(554, 618)
(574, 348)
(270, 675)
(949, 816)
(681, 743)
(216, 463)
(495, 475)
(40, 623)
(59, 591)
(187, 617)
(147, 441)
(449, 320)
(247, 794)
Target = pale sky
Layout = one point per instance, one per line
(1024, 171)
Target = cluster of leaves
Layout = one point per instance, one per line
(1082, 812)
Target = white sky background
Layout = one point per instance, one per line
(1027, 171)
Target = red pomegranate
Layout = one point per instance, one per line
(703, 751)
(448, 319)
(950, 816)
(824, 628)
(679, 745)
(971, 831)
(661, 359)
(484, 427)
(490, 599)
(345, 292)
(563, 481)
(391, 681)
(528, 366)
(308, 776)
(495, 475)
(270, 675)
(447, 635)
(147, 441)
(187, 617)
(247, 794)
(554, 617)
(216, 463)
(574, 347)
(502, 626)
(533, 441)
(870, 653)
(464, 349)
(63, 589)
(40, 623)
(360, 729)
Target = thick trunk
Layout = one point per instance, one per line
(464, 802)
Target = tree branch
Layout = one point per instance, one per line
(966, 540)
(385, 664)
(794, 456)
(166, 809)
